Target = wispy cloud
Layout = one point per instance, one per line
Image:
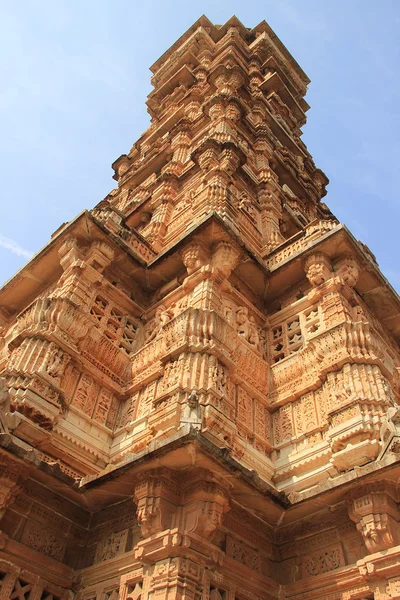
(14, 247)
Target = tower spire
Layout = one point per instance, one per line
(226, 115)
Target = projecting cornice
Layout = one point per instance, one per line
(215, 32)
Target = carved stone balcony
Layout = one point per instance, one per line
(199, 330)
(344, 343)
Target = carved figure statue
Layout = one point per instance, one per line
(390, 424)
(359, 313)
(162, 317)
(193, 399)
(192, 412)
(242, 322)
(246, 205)
(263, 343)
(254, 337)
(228, 314)
(341, 394)
(57, 363)
(219, 378)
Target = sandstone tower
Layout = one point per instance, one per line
(200, 375)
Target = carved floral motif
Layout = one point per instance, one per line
(326, 560)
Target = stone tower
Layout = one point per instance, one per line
(200, 375)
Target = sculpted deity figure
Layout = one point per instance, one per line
(192, 412)
(243, 322)
(228, 314)
(162, 317)
(263, 344)
(57, 362)
(254, 337)
(219, 377)
(359, 313)
(391, 423)
(318, 269)
(246, 205)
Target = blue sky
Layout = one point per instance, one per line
(75, 78)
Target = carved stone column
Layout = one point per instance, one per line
(177, 578)
(262, 147)
(179, 514)
(162, 204)
(180, 146)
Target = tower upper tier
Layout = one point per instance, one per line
(226, 115)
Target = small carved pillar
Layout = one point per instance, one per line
(262, 147)
(333, 286)
(177, 578)
(224, 107)
(376, 516)
(12, 474)
(208, 272)
(180, 146)
(271, 213)
(215, 181)
(163, 199)
(255, 74)
(327, 288)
